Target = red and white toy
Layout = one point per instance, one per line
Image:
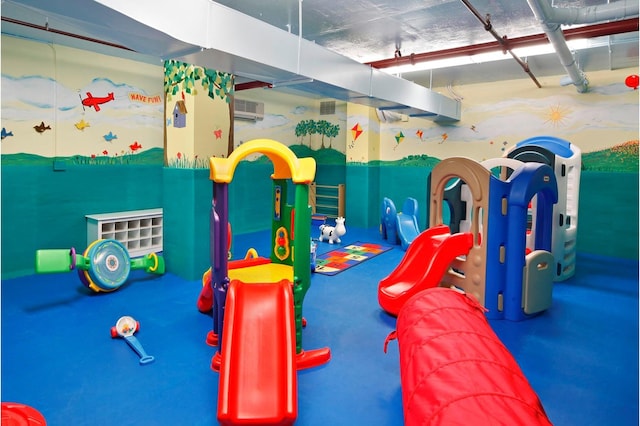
(125, 327)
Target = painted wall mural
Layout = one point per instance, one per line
(325, 130)
(296, 122)
(78, 107)
(198, 114)
(87, 108)
(602, 123)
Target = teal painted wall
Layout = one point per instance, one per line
(250, 197)
(187, 202)
(188, 194)
(330, 174)
(363, 195)
(45, 209)
(42, 208)
(608, 214)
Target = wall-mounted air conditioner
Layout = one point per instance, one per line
(248, 110)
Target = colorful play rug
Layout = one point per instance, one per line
(343, 258)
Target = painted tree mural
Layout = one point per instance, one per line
(182, 77)
(313, 127)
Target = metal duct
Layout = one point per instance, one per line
(551, 18)
(221, 38)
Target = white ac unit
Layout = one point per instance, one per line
(248, 110)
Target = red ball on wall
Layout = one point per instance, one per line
(632, 81)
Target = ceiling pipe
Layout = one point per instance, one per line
(252, 85)
(618, 10)
(551, 18)
(590, 31)
(502, 40)
(63, 33)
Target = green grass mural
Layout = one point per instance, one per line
(620, 158)
(152, 156)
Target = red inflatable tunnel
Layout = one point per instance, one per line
(455, 370)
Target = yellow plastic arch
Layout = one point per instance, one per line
(285, 163)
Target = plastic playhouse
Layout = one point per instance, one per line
(492, 262)
(565, 159)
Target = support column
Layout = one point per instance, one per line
(198, 125)
(362, 177)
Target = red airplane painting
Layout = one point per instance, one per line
(91, 101)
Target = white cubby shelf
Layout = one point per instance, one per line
(140, 231)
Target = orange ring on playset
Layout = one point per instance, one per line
(251, 254)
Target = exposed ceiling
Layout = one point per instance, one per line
(376, 32)
(370, 31)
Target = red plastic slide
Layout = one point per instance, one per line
(424, 264)
(258, 382)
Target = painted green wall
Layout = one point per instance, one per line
(45, 209)
(188, 194)
(250, 197)
(186, 204)
(42, 208)
(608, 214)
(361, 195)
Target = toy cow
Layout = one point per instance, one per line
(333, 233)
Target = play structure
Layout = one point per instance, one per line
(495, 267)
(454, 368)
(257, 305)
(103, 267)
(399, 227)
(566, 160)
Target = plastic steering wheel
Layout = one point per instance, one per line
(110, 264)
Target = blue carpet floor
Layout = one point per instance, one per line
(581, 356)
